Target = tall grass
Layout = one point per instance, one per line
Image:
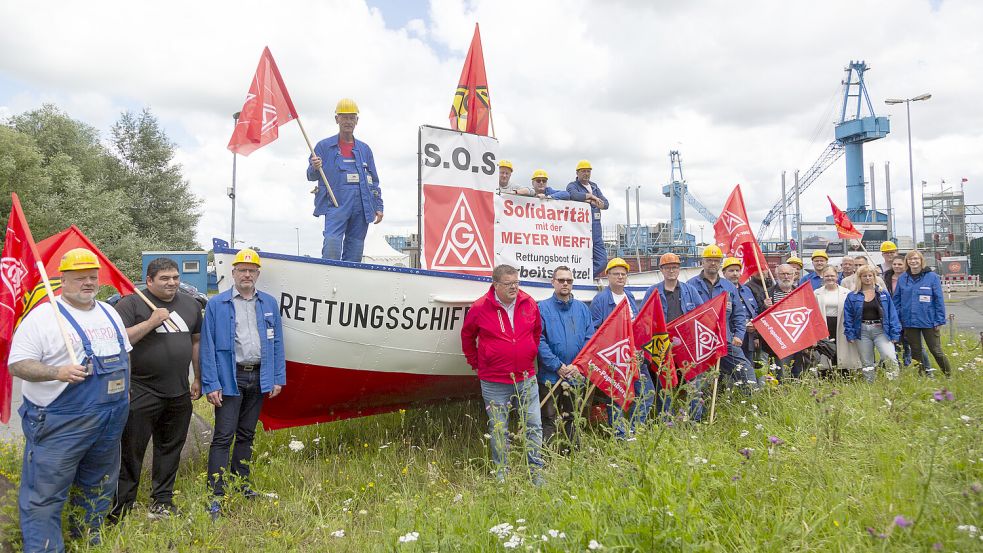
(810, 466)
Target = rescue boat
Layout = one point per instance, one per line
(362, 339)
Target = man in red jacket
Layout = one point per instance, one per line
(500, 339)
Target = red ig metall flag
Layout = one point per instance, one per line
(699, 338)
(471, 109)
(844, 226)
(734, 236)
(53, 247)
(794, 323)
(20, 274)
(652, 337)
(608, 359)
(267, 106)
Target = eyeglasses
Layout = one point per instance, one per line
(513, 284)
(564, 280)
(248, 271)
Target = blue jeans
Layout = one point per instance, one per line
(236, 418)
(62, 449)
(638, 411)
(696, 402)
(499, 399)
(345, 226)
(872, 336)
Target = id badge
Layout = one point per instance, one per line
(369, 178)
(115, 386)
(597, 216)
(925, 299)
(352, 178)
(269, 333)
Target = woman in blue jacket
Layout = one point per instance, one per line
(918, 298)
(870, 316)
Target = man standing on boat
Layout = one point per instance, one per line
(500, 339)
(349, 165)
(584, 190)
(241, 361)
(567, 326)
(505, 177)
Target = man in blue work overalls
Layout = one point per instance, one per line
(349, 165)
(584, 190)
(74, 410)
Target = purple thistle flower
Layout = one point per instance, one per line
(937, 546)
(943, 395)
(746, 452)
(775, 440)
(875, 534)
(976, 487)
(902, 522)
(735, 478)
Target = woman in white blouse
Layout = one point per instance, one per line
(831, 297)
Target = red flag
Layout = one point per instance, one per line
(649, 328)
(471, 109)
(794, 323)
(844, 226)
(734, 237)
(699, 337)
(53, 247)
(608, 359)
(267, 107)
(21, 274)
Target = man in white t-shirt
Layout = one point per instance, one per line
(73, 413)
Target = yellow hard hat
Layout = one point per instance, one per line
(539, 174)
(617, 262)
(346, 105)
(78, 259)
(583, 164)
(820, 253)
(505, 163)
(712, 252)
(888, 246)
(794, 261)
(247, 255)
(730, 261)
(668, 259)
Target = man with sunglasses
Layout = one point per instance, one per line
(541, 189)
(567, 327)
(500, 340)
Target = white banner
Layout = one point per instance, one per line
(537, 236)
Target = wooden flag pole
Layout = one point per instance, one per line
(168, 322)
(58, 316)
(320, 170)
(550, 393)
(713, 400)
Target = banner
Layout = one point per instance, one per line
(844, 227)
(652, 337)
(536, 236)
(608, 359)
(53, 247)
(699, 337)
(458, 181)
(794, 323)
(267, 107)
(471, 108)
(734, 237)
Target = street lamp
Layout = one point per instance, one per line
(911, 170)
(298, 240)
(231, 192)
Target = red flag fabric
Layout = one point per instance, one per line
(471, 109)
(20, 273)
(699, 337)
(734, 236)
(794, 323)
(649, 328)
(844, 226)
(267, 106)
(53, 247)
(608, 358)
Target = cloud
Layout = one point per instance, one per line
(744, 91)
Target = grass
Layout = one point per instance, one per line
(814, 466)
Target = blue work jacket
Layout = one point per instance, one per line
(556, 194)
(566, 328)
(813, 278)
(603, 304)
(579, 194)
(736, 314)
(747, 300)
(919, 300)
(218, 338)
(343, 173)
(853, 310)
(689, 298)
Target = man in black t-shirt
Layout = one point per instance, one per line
(165, 343)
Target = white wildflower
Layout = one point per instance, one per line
(458, 498)
(888, 402)
(556, 533)
(296, 445)
(317, 440)
(969, 529)
(514, 541)
(412, 536)
(338, 534)
(363, 512)
(745, 433)
(520, 529)
(502, 530)
(594, 545)
(613, 465)
(965, 418)
(520, 520)
(759, 426)
(544, 537)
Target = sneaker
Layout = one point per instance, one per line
(215, 510)
(159, 511)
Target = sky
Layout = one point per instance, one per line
(744, 90)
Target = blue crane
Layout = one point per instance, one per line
(850, 133)
(677, 191)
